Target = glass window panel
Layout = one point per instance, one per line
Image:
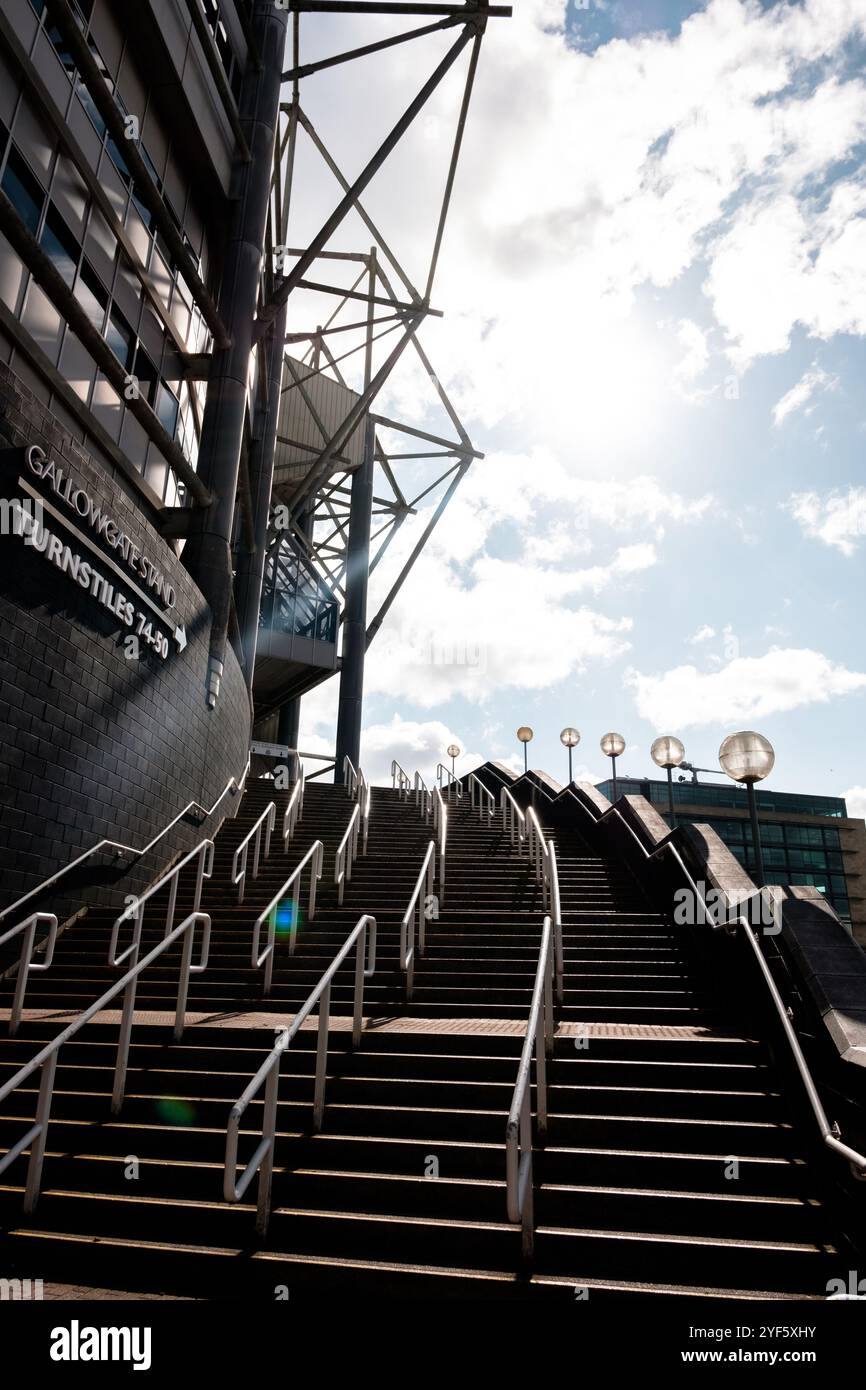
(834, 860)
(147, 375)
(91, 295)
(23, 190)
(167, 408)
(838, 884)
(60, 245)
(120, 338)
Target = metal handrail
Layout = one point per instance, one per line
(28, 928)
(268, 819)
(400, 780)
(134, 910)
(542, 854)
(513, 819)
(440, 825)
(452, 780)
(295, 809)
(423, 797)
(231, 785)
(426, 879)
(518, 1131)
(346, 852)
(352, 777)
(268, 1074)
(365, 800)
(46, 1060)
(830, 1134)
(314, 857)
(479, 794)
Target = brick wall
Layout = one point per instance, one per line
(93, 744)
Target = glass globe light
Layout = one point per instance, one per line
(667, 751)
(524, 733)
(612, 745)
(453, 750)
(570, 737)
(747, 756)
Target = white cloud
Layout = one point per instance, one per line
(496, 601)
(417, 747)
(696, 354)
(703, 634)
(801, 393)
(617, 170)
(747, 689)
(837, 518)
(855, 800)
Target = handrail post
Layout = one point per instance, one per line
(358, 997)
(40, 1138)
(25, 961)
(269, 1133)
(321, 1058)
(123, 1039)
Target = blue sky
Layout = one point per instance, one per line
(654, 282)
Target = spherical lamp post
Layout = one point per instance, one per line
(453, 752)
(668, 752)
(571, 738)
(612, 745)
(524, 733)
(749, 757)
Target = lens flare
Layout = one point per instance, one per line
(174, 1111)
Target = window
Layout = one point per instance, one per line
(167, 406)
(23, 190)
(92, 296)
(147, 375)
(60, 245)
(120, 338)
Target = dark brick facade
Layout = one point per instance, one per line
(93, 744)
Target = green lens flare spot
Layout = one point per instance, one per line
(174, 1111)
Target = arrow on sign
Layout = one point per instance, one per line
(180, 637)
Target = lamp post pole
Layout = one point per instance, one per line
(612, 745)
(756, 835)
(749, 757)
(668, 752)
(570, 738)
(525, 735)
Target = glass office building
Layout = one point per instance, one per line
(806, 839)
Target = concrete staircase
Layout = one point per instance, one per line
(656, 1098)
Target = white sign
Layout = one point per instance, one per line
(85, 564)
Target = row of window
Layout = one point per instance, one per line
(690, 794)
(229, 59)
(27, 195)
(777, 833)
(834, 886)
(86, 98)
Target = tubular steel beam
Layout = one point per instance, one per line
(307, 69)
(251, 567)
(362, 7)
(419, 546)
(208, 554)
(62, 17)
(338, 441)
